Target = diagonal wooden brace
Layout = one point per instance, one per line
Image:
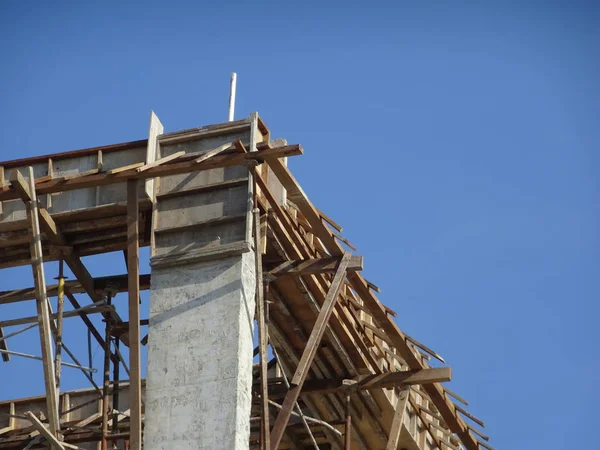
(309, 352)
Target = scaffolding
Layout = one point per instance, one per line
(334, 370)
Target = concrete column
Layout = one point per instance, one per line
(198, 392)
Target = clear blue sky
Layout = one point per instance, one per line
(457, 144)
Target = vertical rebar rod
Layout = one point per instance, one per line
(232, 86)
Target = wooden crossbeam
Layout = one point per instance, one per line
(310, 266)
(90, 309)
(182, 165)
(160, 161)
(309, 352)
(119, 282)
(387, 380)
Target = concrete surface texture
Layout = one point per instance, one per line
(198, 392)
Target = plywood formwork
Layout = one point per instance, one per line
(334, 370)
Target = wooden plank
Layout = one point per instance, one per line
(386, 380)
(309, 352)
(317, 265)
(74, 287)
(424, 348)
(214, 152)
(124, 168)
(263, 339)
(456, 396)
(479, 433)
(470, 416)
(160, 161)
(330, 221)
(345, 241)
(89, 309)
(81, 174)
(377, 332)
(47, 433)
(173, 168)
(397, 421)
(207, 223)
(155, 129)
(135, 387)
(21, 186)
(87, 421)
(204, 188)
(42, 303)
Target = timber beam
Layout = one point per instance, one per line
(311, 266)
(118, 282)
(388, 380)
(184, 164)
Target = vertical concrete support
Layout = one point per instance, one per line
(198, 392)
(200, 343)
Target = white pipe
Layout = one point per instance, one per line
(232, 84)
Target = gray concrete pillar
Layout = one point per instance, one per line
(198, 392)
(200, 343)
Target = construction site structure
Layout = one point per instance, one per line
(262, 332)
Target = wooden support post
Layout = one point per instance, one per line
(348, 426)
(115, 401)
(309, 352)
(59, 322)
(261, 308)
(28, 194)
(392, 443)
(135, 387)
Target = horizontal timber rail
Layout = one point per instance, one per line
(182, 165)
(117, 282)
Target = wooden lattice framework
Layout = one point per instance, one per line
(343, 375)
